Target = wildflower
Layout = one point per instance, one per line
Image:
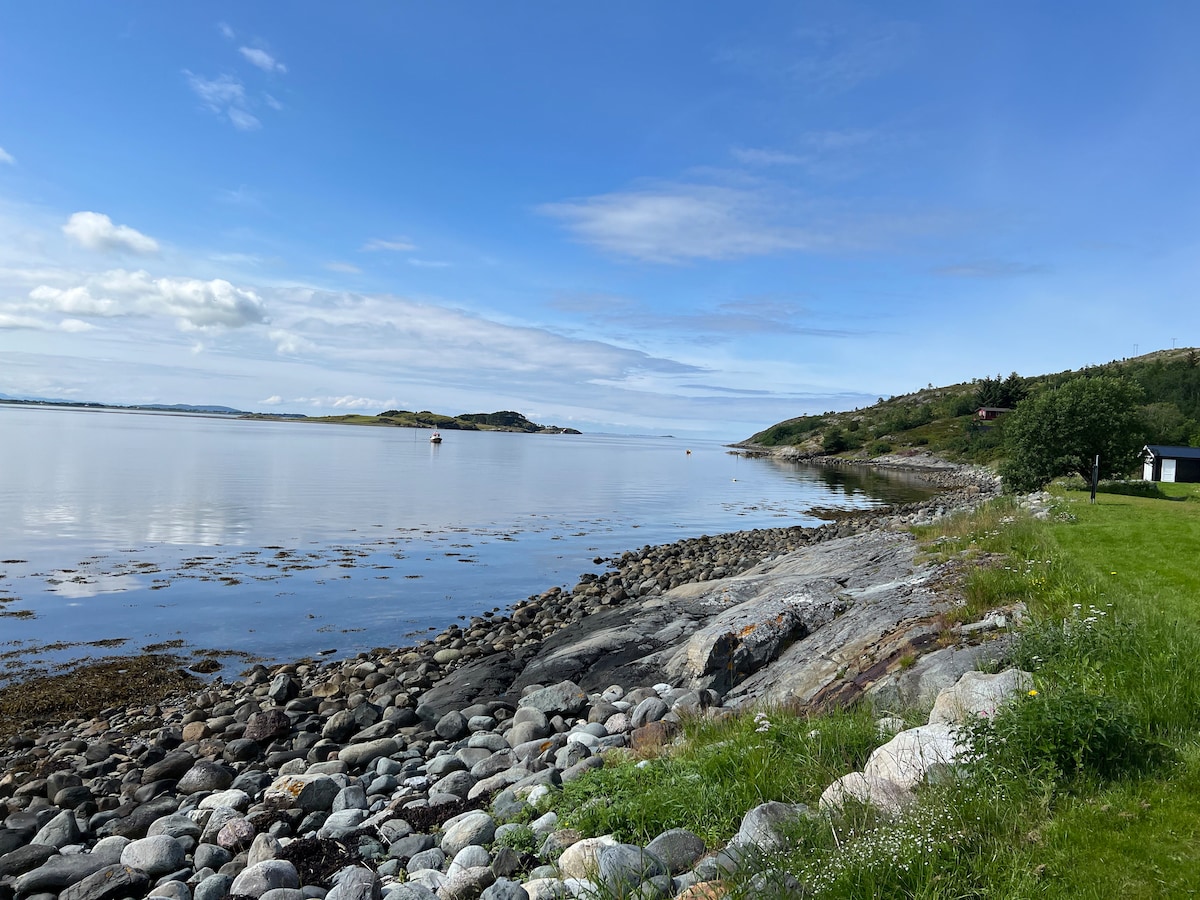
(1033, 693)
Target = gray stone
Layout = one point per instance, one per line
(288, 894)
(256, 880)
(214, 887)
(355, 883)
(172, 890)
(311, 793)
(458, 783)
(469, 857)
(406, 848)
(264, 847)
(21, 860)
(473, 828)
(109, 882)
(359, 755)
(546, 889)
(205, 776)
(410, 891)
(452, 726)
(341, 823)
(57, 873)
(622, 867)
(109, 849)
(59, 831)
(432, 858)
(466, 884)
(176, 825)
(649, 710)
(565, 698)
(678, 849)
(211, 856)
(350, 797)
(504, 889)
(766, 826)
(919, 684)
(155, 855)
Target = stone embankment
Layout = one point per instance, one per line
(402, 773)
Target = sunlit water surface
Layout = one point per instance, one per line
(285, 539)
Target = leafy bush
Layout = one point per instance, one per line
(1064, 733)
(878, 448)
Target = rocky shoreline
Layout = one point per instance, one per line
(403, 773)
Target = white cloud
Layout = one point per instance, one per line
(401, 245)
(75, 326)
(96, 231)
(116, 293)
(348, 401)
(226, 31)
(345, 267)
(428, 263)
(224, 96)
(217, 94)
(758, 157)
(273, 400)
(678, 222)
(12, 321)
(6, 157)
(262, 59)
(272, 102)
(242, 120)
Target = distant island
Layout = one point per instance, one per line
(503, 420)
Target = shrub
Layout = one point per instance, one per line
(878, 448)
(1064, 733)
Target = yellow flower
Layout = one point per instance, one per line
(1033, 693)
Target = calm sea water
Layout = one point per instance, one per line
(284, 539)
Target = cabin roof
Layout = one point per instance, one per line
(1164, 450)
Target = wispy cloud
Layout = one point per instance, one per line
(678, 222)
(344, 267)
(428, 263)
(224, 95)
(992, 268)
(762, 157)
(7, 158)
(226, 32)
(398, 245)
(96, 231)
(262, 59)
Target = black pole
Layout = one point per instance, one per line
(1095, 476)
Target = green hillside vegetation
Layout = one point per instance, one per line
(1088, 786)
(504, 420)
(943, 419)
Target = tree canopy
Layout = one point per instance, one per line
(1059, 431)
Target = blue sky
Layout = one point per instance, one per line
(670, 217)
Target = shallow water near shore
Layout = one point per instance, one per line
(288, 539)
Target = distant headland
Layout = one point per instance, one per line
(502, 420)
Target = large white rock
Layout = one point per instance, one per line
(977, 695)
(873, 790)
(582, 859)
(907, 757)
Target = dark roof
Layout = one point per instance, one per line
(1162, 450)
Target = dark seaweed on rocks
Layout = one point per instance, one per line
(87, 689)
(317, 860)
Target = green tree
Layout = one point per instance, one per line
(1059, 431)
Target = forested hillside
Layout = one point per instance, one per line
(945, 420)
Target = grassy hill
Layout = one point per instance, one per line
(944, 420)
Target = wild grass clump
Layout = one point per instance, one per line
(722, 769)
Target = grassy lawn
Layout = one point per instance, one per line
(1090, 788)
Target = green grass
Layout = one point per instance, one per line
(723, 768)
(1092, 788)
